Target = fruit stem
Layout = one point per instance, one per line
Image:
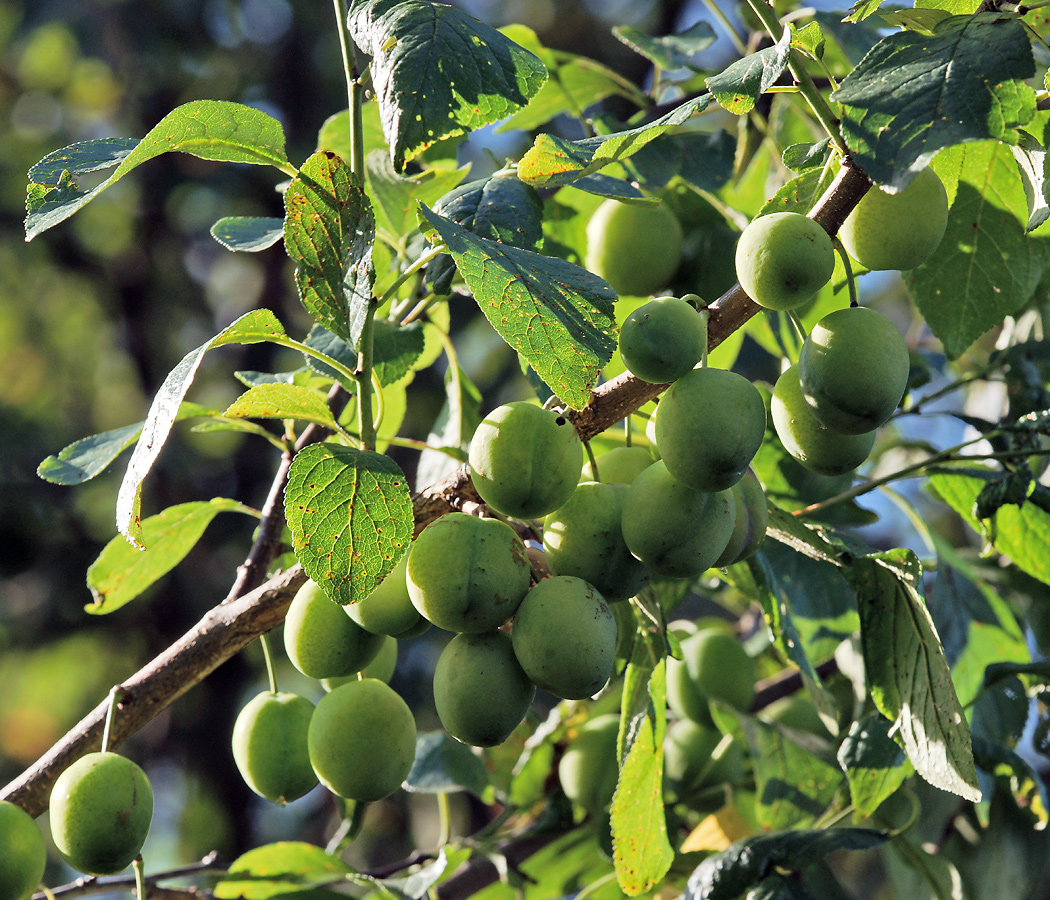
(444, 818)
(140, 878)
(593, 461)
(627, 434)
(851, 281)
(271, 669)
(116, 694)
(796, 323)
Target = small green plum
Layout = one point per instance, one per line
(714, 666)
(752, 519)
(24, 855)
(381, 668)
(783, 259)
(388, 609)
(662, 340)
(587, 770)
(269, 746)
(619, 465)
(636, 248)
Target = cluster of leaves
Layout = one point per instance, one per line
(379, 240)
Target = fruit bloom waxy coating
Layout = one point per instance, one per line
(525, 461)
(676, 531)
(817, 447)
(619, 465)
(585, 538)
(634, 248)
(468, 574)
(897, 231)
(269, 746)
(362, 740)
(752, 518)
(710, 427)
(853, 369)
(321, 640)
(480, 690)
(388, 609)
(100, 812)
(664, 339)
(783, 259)
(565, 637)
(24, 854)
(713, 667)
(587, 770)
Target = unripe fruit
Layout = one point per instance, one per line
(24, 855)
(636, 248)
(853, 369)
(321, 640)
(818, 448)
(676, 531)
(713, 666)
(381, 668)
(468, 574)
(783, 259)
(619, 465)
(480, 690)
(898, 231)
(100, 812)
(565, 637)
(525, 461)
(710, 427)
(690, 760)
(362, 740)
(388, 609)
(752, 518)
(585, 538)
(664, 339)
(588, 770)
(269, 746)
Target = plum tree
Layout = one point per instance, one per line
(714, 666)
(362, 740)
(675, 530)
(100, 812)
(817, 447)
(662, 340)
(898, 231)
(565, 637)
(853, 369)
(636, 248)
(783, 259)
(321, 640)
(585, 538)
(485, 586)
(480, 690)
(710, 427)
(269, 745)
(24, 854)
(587, 769)
(525, 461)
(752, 518)
(388, 609)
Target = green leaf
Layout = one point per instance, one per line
(863, 9)
(648, 650)
(642, 854)
(351, 518)
(806, 539)
(1021, 533)
(329, 230)
(335, 132)
(703, 159)
(251, 328)
(553, 161)
(248, 234)
(907, 673)
(924, 21)
(122, 572)
(395, 348)
(1030, 157)
(439, 72)
(282, 401)
(574, 84)
(726, 875)
(283, 868)
(558, 316)
(396, 195)
(498, 208)
(810, 39)
(739, 87)
(1020, 778)
(673, 51)
(799, 157)
(444, 765)
(874, 764)
(913, 94)
(794, 786)
(985, 268)
(209, 129)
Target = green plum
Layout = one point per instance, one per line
(269, 746)
(388, 609)
(24, 853)
(714, 666)
(585, 538)
(362, 740)
(100, 812)
(752, 518)
(468, 574)
(783, 259)
(565, 637)
(619, 465)
(525, 461)
(710, 427)
(588, 771)
(662, 340)
(636, 248)
(480, 690)
(694, 759)
(381, 668)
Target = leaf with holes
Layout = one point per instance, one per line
(351, 517)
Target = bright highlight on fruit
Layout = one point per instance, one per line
(783, 259)
(636, 248)
(23, 855)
